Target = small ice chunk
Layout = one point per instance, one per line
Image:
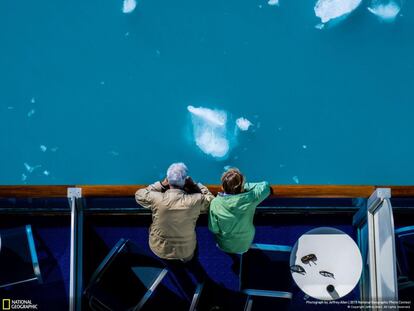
(158, 52)
(260, 6)
(282, 165)
(10, 108)
(328, 10)
(129, 6)
(280, 129)
(54, 149)
(102, 83)
(43, 148)
(386, 10)
(295, 179)
(304, 146)
(33, 100)
(30, 168)
(273, 2)
(114, 153)
(31, 113)
(320, 26)
(46, 173)
(127, 34)
(227, 167)
(24, 177)
(243, 124)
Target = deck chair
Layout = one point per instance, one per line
(18, 257)
(125, 280)
(265, 277)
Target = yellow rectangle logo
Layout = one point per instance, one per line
(6, 304)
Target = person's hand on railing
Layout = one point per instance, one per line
(190, 186)
(165, 185)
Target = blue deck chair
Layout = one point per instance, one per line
(18, 257)
(265, 277)
(405, 260)
(125, 280)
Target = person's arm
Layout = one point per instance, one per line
(260, 190)
(146, 196)
(213, 223)
(207, 197)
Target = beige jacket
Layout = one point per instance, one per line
(174, 216)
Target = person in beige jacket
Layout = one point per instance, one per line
(175, 203)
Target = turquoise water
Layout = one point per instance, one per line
(107, 93)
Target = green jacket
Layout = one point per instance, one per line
(231, 217)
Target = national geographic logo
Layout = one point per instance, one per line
(18, 304)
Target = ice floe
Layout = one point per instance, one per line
(43, 148)
(386, 10)
(210, 132)
(243, 124)
(129, 6)
(30, 168)
(31, 113)
(273, 2)
(328, 10)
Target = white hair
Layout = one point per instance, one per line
(176, 174)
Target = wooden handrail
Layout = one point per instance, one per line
(279, 191)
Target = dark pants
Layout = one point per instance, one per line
(187, 274)
(236, 262)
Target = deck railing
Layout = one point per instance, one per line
(278, 191)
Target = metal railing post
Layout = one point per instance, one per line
(382, 253)
(76, 246)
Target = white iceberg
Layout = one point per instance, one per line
(210, 132)
(129, 6)
(328, 10)
(243, 124)
(385, 10)
(215, 117)
(273, 2)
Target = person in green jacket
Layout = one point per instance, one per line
(232, 211)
